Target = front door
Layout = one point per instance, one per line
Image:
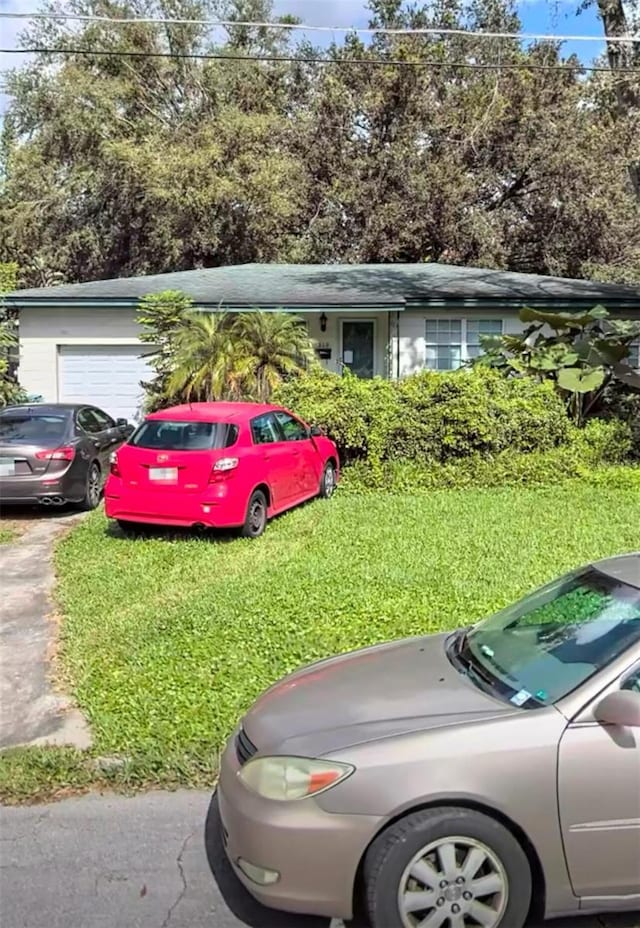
(599, 801)
(358, 341)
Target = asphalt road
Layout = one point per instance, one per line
(113, 862)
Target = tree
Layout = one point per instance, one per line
(584, 355)
(203, 359)
(271, 348)
(10, 390)
(199, 356)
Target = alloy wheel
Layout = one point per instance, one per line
(454, 882)
(93, 486)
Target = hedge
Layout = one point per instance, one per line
(430, 417)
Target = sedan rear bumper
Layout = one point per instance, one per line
(315, 854)
(36, 490)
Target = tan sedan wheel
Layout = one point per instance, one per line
(447, 868)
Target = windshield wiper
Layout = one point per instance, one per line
(469, 661)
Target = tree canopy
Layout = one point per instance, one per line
(131, 163)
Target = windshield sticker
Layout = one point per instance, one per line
(521, 697)
(542, 695)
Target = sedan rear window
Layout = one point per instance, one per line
(164, 435)
(32, 430)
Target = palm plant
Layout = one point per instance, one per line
(203, 358)
(269, 347)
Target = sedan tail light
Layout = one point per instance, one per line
(114, 470)
(222, 468)
(56, 454)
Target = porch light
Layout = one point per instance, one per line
(323, 323)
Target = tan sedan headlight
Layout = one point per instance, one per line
(287, 778)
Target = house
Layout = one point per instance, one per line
(80, 342)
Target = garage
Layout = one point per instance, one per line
(107, 376)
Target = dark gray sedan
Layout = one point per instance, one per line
(52, 454)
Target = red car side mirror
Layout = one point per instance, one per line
(621, 708)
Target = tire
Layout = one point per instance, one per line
(93, 490)
(416, 843)
(328, 482)
(256, 518)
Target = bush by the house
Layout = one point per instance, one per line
(430, 417)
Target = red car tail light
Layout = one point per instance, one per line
(114, 470)
(223, 467)
(56, 454)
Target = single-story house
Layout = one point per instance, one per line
(80, 342)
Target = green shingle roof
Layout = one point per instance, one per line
(336, 286)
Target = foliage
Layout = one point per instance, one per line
(203, 356)
(583, 356)
(593, 456)
(114, 166)
(10, 390)
(166, 641)
(159, 316)
(429, 416)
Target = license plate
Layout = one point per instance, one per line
(7, 467)
(163, 474)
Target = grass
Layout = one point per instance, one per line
(166, 641)
(7, 535)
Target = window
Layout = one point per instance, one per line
(88, 422)
(103, 420)
(552, 641)
(634, 357)
(632, 682)
(476, 328)
(452, 342)
(163, 435)
(291, 428)
(264, 430)
(32, 430)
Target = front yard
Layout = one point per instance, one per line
(166, 641)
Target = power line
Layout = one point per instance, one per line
(376, 62)
(364, 30)
(380, 62)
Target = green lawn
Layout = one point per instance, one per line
(7, 535)
(166, 641)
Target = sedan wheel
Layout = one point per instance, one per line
(447, 868)
(453, 881)
(94, 488)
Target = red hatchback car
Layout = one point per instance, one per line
(219, 465)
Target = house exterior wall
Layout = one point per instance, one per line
(42, 331)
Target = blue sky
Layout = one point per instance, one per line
(548, 16)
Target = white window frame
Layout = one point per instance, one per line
(635, 347)
(464, 337)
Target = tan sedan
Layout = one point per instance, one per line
(462, 780)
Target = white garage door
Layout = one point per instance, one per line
(108, 376)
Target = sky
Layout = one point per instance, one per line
(540, 16)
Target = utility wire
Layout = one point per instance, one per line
(364, 30)
(376, 62)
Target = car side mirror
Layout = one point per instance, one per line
(316, 432)
(621, 708)
(122, 423)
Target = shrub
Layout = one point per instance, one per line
(430, 416)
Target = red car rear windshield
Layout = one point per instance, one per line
(165, 435)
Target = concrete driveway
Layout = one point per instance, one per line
(113, 862)
(32, 711)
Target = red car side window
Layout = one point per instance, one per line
(264, 430)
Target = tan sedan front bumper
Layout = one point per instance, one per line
(316, 854)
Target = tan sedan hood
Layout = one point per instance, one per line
(375, 693)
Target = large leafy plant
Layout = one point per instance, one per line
(583, 354)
